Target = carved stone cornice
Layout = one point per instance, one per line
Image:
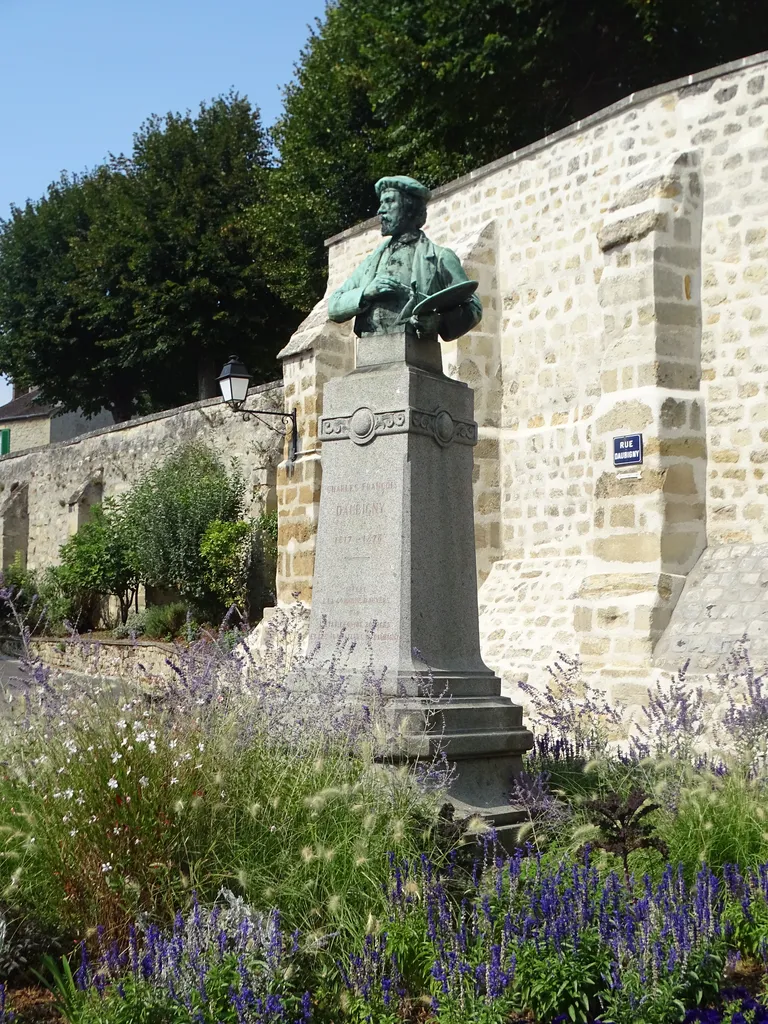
(364, 425)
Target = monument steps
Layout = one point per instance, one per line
(463, 714)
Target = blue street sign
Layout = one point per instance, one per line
(628, 450)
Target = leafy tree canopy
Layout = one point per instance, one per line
(129, 286)
(435, 89)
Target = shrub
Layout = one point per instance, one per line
(96, 562)
(167, 621)
(168, 512)
(266, 524)
(573, 710)
(134, 626)
(37, 601)
(226, 550)
(717, 820)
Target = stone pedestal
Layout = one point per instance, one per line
(395, 564)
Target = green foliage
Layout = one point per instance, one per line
(126, 807)
(266, 524)
(438, 89)
(718, 820)
(168, 512)
(200, 291)
(40, 603)
(128, 287)
(96, 561)
(24, 584)
(167, 621)
(226, 549)
(134, 625)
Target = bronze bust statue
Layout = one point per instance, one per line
(403, 271)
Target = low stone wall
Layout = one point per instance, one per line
(140, 661)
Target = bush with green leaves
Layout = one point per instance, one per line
(226, 550)
(168, 512)
(134, 626)
(96, 562)
(168, 621)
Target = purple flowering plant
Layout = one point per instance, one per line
(555, 938)
(224, 965)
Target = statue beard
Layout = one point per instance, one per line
(401, 226)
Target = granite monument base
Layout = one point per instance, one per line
(395, 566)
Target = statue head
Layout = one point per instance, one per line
(402, 204)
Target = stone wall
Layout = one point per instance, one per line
(46, 493)
(623, 268)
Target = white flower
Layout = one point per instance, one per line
(141, 737)
(143, 781)
(112, 783)
(116, 757)
(201, 746)
(172, 744)
(151, 747)
(121, 724)
(69, 793)
(106, 867)
(174, 780)
(73, 832)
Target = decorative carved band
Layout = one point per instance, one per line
(364, 425)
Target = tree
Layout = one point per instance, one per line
(437, 89)
(59, 330)
(200, 288)
(129, 287)
(96, 561)
(168, 513)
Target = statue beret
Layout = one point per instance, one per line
(403, 183)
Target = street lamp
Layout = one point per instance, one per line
(233, 381)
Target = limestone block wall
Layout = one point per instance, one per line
(623, 267)
(46, 493)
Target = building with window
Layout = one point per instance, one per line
(26, 422)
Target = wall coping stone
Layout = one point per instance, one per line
(86, 639)
(139, 421)
(633, 100)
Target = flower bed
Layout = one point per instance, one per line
(228, 848)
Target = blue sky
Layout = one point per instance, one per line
(77, 78)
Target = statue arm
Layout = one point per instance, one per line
(347, 301)
(458, 321)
